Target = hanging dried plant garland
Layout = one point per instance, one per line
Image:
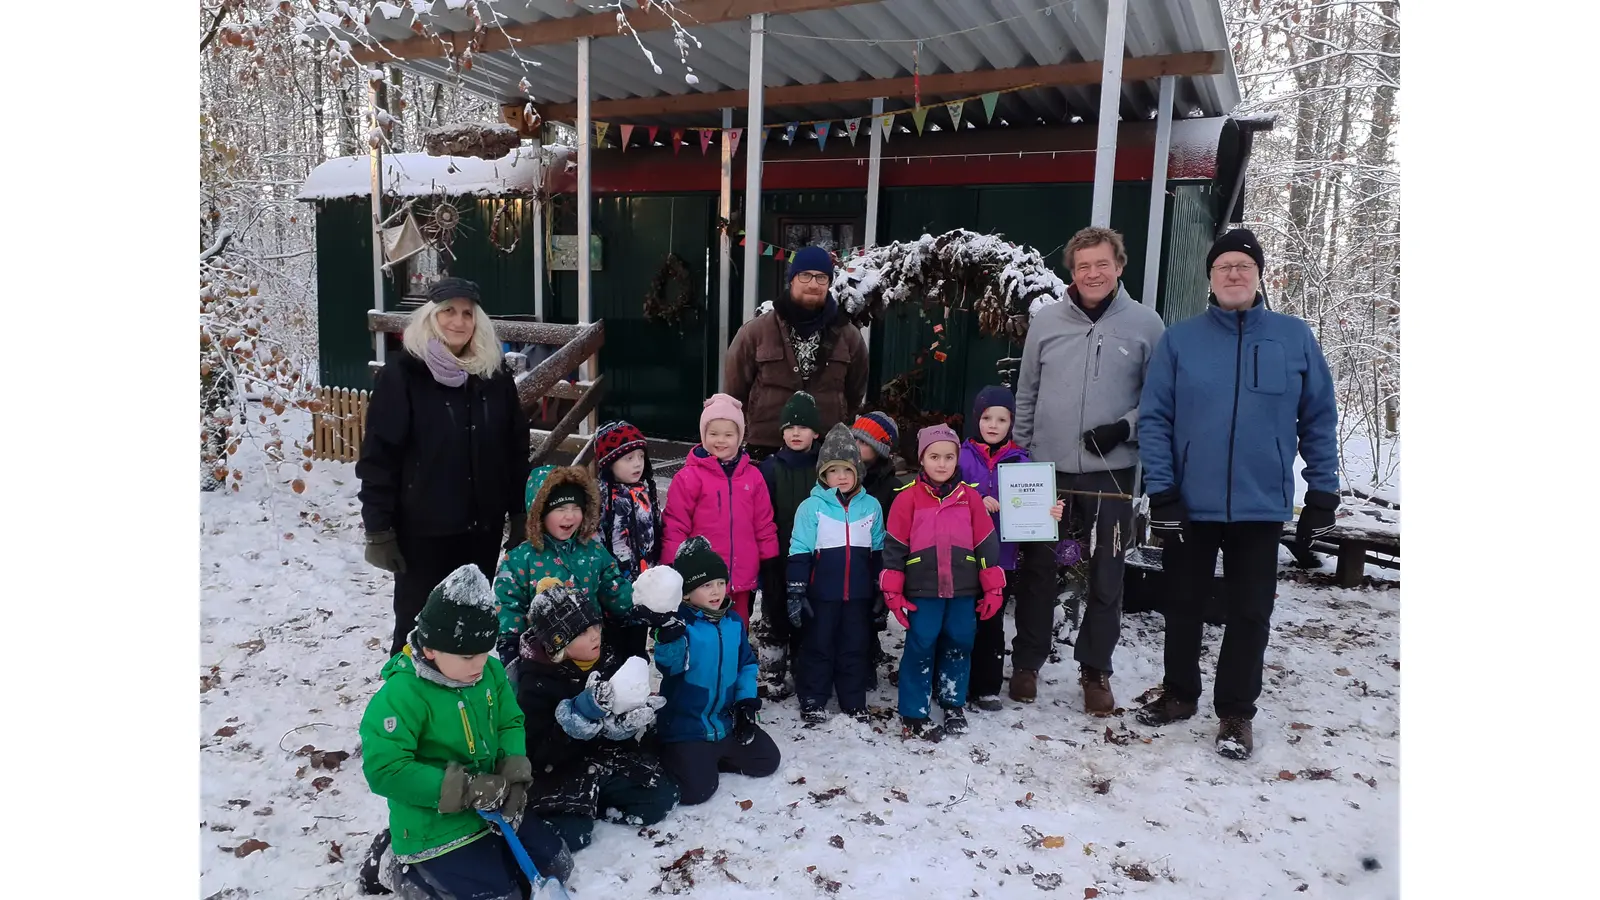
(671, 279)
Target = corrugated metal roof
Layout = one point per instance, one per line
(1019, 33)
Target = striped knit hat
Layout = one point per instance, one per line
(878, 431)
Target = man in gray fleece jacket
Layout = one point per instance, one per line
(1083, 369)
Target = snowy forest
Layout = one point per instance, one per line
(275, 102)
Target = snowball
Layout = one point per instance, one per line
(466, 586)
(659, 589)
(630, 686)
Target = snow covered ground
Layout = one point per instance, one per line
(1035, 801)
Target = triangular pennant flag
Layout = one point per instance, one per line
(954, 107)
(733, 135)
(989, 101)
(650, 131)
(852, 127)
(766, 249)
(919, 115)
(765, 131)
(778, 256)
(705, 140)
(600, 133)
(627, 132)
(788, 132)
(822, 129)
(677, 140)
(886, 124)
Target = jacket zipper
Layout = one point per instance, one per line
(1283, 482)
(1256, 364)
(1083, 398)
(711, 698)
(730, 530)
(848, 549)
(1233, 425)
(1097, 343)
(466, 727)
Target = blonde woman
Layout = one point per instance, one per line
(445, 455)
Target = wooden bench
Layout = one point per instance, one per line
(1356, 540)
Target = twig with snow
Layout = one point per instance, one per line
(299, 728)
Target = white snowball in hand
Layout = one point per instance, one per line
(630, 686)
(659, 589)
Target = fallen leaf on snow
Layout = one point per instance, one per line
(1286, 775)
(321, 782)
(746, 804)
(837, 842)
(1054, 842)
(1299, 726)
(1090, 893)
(1027, 801)
(1103, 786)
(226, 731)
(1341, 671)
(248, 847)
(335, 854)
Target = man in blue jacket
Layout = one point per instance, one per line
(1230, 397)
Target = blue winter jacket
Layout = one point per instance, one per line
(704, 674)
(836, 548)
(1228, 399)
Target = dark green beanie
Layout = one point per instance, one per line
(461, 615)
(569, 492)
(801, 409)
(698, 564)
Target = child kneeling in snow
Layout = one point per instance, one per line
(941, 550)
(709, 680)
(585, 708)
(442, 739)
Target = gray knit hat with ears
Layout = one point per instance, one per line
(839, 448)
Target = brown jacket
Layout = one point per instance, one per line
(762, 373)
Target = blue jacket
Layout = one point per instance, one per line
(1228, 399)
(837, 549)
(704, 674)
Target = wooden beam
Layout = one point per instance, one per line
(1144, 68)
(691, 13)
(590, 399)
(534, 385)
(512, 332)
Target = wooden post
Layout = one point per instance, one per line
(1105, 152)
(1352, 563)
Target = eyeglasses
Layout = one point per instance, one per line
(1240, 268)
(812, 278)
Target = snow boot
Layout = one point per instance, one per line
(955, 720)
(1097, 698)
(1166, 709)
(1024, 685)
(1234, 739)
(373, 864)
(813, 713)
(919, 728)
(863, 715)
(991, 703)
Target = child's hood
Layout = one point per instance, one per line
(830, 496)
(702, 459)
(545, 478)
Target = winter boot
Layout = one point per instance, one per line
(1097, 698)
(863, 715)
(813, 713)
(955, 720)
(919, 728)
(780, 665)
(1024, 685)
(373, 864)
(1234, 739)
(991, 703)
(1166, 709)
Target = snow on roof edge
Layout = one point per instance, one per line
(421, 175)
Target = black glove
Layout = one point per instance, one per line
(383, 551)
(671, 630)
(461, 791)
(744, 721)
(518, 773)
(1168, 515)
(517, 532)
(799, 605)
(1316, 517)
(1100, 440)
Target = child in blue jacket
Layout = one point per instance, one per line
(834, 556)
(708, 724)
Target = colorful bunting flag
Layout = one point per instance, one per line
(886, 125)
(989, 100)
(677, 140)
(919, 116)
(822, 129)
(788, 132)
(650, 131)
(627, 132)
(734, 134)
(778, 256)
(954, 108)
(852, 127)
(600, 133)
(705, 140)
(766, 249)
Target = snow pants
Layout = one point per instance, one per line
(1250, 583)
(485, 868)
(945, 628)
(696, 765)
(834, 654)
(775, 607)
(622, 800)
(428, 560)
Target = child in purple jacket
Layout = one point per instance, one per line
(988, 445)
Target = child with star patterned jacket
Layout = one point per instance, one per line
(630, 516)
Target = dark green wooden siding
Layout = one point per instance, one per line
(344, 292)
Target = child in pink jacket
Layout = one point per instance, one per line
(719, 495)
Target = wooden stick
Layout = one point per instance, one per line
(1104, 495)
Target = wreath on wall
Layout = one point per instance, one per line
(672, 295)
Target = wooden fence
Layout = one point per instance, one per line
(339, 424)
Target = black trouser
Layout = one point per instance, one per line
(634, 802)
(775, 607)
(428, 561)
(694, 765)
(989, 649)
(833, 654)
(1100, 624)
(1249, 581)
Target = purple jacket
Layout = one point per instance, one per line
(733, 512)
(977, 469)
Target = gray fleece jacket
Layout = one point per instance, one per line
(1078, 374)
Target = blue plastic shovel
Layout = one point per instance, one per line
(556, 891)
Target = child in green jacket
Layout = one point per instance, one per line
(442, 739)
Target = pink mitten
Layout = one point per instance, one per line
(900, 606)
(990, 604)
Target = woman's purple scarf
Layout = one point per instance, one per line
(443, 364)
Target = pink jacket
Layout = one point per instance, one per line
(733, 513)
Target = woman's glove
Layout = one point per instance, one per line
(383, 551)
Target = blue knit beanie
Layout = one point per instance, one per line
(811, 259)
(992, 395)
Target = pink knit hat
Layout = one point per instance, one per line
(931, 435)
(722, 406)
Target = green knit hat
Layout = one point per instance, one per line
(460, 616)
(801, 409)
(698, 564)
(839, 449)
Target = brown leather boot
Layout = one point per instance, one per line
(1024, 685)
(1234, 739)
(1097, 698)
